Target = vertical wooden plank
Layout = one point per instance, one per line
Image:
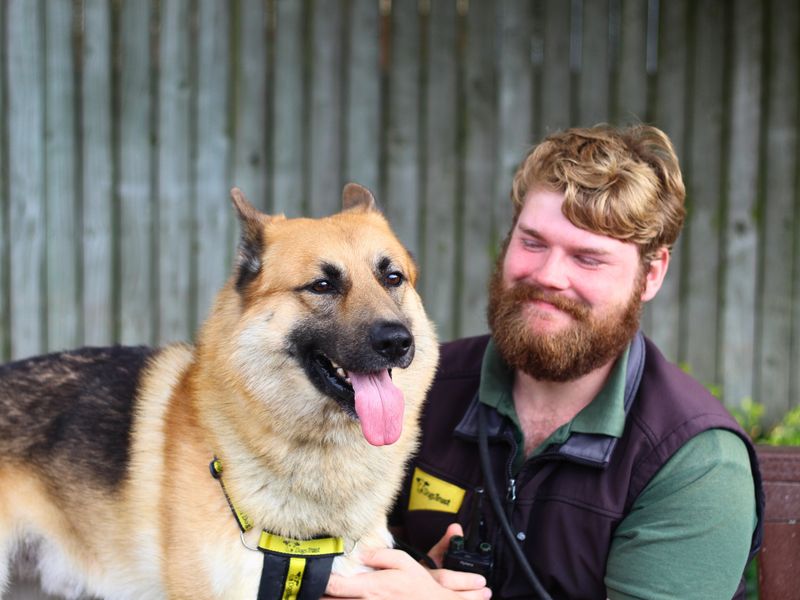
(700, 329)
(61, 149)
(325, 140)
(630, 91)
(515, 116)
(174, 172)
(441, 167)
(794, 393)
(5, 248)
(741, 230)
(777, 358)
(213, 214)
(402, 140)
(137, 301)
(593, 78)
(26, 175)
(290, 186)
(479, 162)
(97, 166)
(363, 107)
(794, 389)
(670, 115)
(556, 76)
(250, 132)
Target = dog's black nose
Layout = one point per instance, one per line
(391, 340)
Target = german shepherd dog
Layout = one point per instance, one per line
(302, 391)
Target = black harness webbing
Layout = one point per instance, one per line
(296, 569)
(293, 569)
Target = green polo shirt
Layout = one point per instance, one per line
(688, 533)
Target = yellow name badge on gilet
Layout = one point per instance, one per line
(431, 493)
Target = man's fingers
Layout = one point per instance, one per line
(344, 588)
(437, 552)
(458, 581)
(387, 558)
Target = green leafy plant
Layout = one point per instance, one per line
(750, 415)
(787, 432)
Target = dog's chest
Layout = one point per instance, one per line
(234, 571)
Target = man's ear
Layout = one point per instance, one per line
(656, 271)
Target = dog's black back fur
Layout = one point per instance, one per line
(69, 414)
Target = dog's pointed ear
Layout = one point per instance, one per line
(357, 198)
(251, 240)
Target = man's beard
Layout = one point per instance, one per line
(577, 349)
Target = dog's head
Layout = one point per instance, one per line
(326, 327)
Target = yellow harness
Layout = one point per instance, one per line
(293, 569)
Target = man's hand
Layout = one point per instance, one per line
(398, 575)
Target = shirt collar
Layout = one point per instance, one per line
(604, 415)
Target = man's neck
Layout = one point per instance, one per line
(544, 406)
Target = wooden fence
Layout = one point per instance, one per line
(124, 123)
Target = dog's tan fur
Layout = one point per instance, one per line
(293, 459)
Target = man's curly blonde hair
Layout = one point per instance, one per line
(623, 183)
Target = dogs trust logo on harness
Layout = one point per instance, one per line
(431, 493)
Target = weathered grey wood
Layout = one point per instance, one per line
(439, 275)
(664, 311)
(115, 223)
(793, 25)
(97, 168)
(213, 217)
(174, 173)
(5, 248)
(700, 332)
(402, 137)
(290, 185)
(26, 176)
(776, 368)
(61, 148)
(515, 103)
(363, 96)
(794, 394)
(741, 228)
(252, 101)
(479, 165)
(137, 300)
(326, 139)
(594, 95)
(556, 76)
(630, 93)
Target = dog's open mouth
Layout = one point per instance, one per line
(371, 397)
(336, 379)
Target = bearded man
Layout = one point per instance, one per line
(620, 476)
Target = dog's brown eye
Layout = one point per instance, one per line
(323, 286)
(393, 279)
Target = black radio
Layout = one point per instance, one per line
(458, 558)
(469, 553)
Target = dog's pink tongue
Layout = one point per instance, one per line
(379, 405)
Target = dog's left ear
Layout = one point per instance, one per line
(251, 241)
(357, 198)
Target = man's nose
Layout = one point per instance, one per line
(552, 271)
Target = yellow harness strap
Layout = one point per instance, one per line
(293, 569)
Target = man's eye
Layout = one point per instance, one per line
(393, 279)
(532, 244)
(322, 286)
(588, 261)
